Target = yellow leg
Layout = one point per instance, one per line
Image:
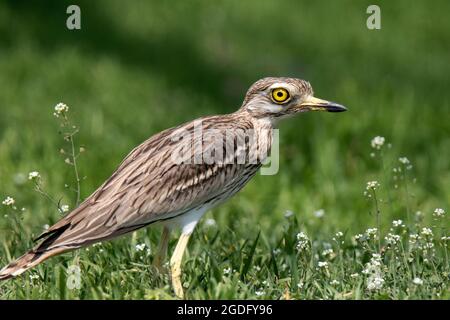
(162, 251)
(175, 264)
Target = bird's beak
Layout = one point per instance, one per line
(316, 104)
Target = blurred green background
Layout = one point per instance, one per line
(138, 67)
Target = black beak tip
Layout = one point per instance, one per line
(336, 108)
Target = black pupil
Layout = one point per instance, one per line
(279, 94)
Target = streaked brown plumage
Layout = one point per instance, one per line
(149, 186)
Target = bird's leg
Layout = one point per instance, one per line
(162, 251)
(175, 264)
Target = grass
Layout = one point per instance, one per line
(133, 71)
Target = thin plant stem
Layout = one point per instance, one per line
(377, 215)
(75, 168)
(408, 211)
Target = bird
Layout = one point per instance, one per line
(176, 176)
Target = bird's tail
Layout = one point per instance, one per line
(27, 261)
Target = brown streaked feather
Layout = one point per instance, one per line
(148, 187)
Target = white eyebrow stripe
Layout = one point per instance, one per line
(285, 85)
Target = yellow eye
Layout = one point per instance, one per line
(280, 95)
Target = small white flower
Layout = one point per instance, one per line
(327, 252)
(34, 175)
(372, 185)
(334, 282)
(354, 275)
(319, 213)
(413, 238)
(302, 241)
(260, 293)
(417, 281)
(210, 222)
(373, 266)
(227, 270)
(404, 160)
(34, 276)
(337, 236)
(392, 239)
(276, 251)
(64, 208)
(322, 264)
(9, 201)
(288, 213)
(398, 223)
(372, 232)
(377, 142)
(426, 232)
(359, 236)
(375, 283)
(140, 247)
(60, 109)
(300, 285)
(439, 212)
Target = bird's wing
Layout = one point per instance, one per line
(149, 186)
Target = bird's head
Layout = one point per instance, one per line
(277, 98)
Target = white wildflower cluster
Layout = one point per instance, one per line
(140, 247)
(371, 233)
(64, 208)
(322, 265)
(319, 213)
(328, 252)
(276, 251)
(398, 224)
(302, 241)
(34, 277)
(372, 185)
(260, 292)
(422, 241)
(288, 213)
(60, 109)
(9, 201)
(354, 275)
(439, 212)
(210, 222)
(377, 142)
(334, 282)
(392, 239)
(227, 271)
(338, 236)
(413, 240)
(427, 232)
(417, 281)
(405, 161)
(34, 175)
(374, 273)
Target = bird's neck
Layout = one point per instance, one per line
(262, 130)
